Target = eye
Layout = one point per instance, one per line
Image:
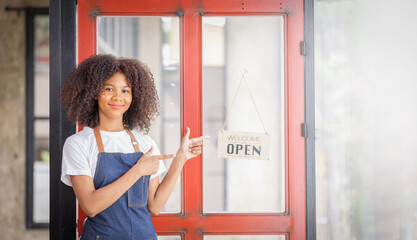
(125, 91)
(107, 90)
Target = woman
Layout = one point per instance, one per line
(114, 180)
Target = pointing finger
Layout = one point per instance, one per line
(162, 157)
(197, 139)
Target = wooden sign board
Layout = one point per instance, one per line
(247, 145)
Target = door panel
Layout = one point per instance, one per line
(277, 81)
(254, 44)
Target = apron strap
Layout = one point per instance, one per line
(133, 139)
(98, 139)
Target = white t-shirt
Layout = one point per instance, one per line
(79, 156)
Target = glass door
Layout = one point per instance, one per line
(197, 52)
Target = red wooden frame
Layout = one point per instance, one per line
(191, 222)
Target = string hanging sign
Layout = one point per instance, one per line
(244, 145)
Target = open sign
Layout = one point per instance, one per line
(243, 145)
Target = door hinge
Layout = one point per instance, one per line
(303, 48)
(304, 130)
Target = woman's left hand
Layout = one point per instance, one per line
(190, 147)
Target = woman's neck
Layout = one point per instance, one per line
(111, 126)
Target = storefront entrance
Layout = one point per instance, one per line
(198, 52)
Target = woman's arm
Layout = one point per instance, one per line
(160, 192)
(94, 201)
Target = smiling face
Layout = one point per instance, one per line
(114, 99)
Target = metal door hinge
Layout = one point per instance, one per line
(304, 130)
(303, 48)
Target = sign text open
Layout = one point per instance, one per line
(243, 145)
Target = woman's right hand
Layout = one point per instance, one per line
(148, 164)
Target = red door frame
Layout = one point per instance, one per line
(191, 222)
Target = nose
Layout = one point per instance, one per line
(117, 95)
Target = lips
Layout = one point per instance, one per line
(115, 106)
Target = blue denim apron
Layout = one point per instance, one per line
(128, 218)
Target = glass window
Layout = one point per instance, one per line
(169, 237)
(41, 172)
(37, 122)
(244, 237)
(365, 90)
(154, 41)
(231, 46)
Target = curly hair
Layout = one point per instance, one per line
(83, 85)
